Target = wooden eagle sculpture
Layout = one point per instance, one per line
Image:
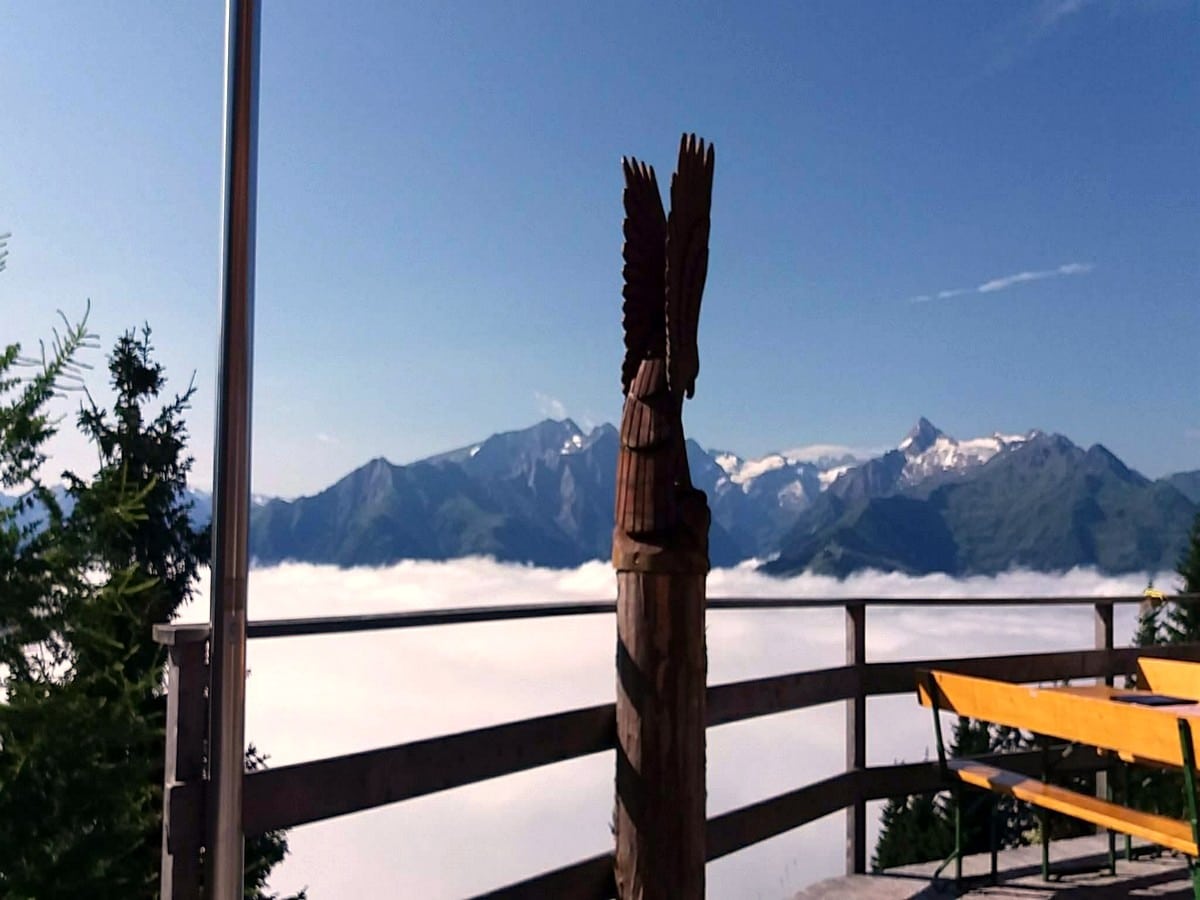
(661, 519)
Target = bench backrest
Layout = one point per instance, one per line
(1139, 732)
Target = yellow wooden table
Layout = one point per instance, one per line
(1151, 725)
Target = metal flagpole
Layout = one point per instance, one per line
(231, 489)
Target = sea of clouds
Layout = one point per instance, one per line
(311, 697)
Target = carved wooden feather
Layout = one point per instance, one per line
(687, 260)
(645, 255)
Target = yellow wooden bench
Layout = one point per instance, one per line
(1147, 726)
(1161, 830)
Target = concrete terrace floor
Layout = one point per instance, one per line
(1020, 876)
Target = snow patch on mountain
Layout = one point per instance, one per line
(793, 495)
(754, 468)
(930, 452)
(729, 462)
(826, 456)
(829, 476)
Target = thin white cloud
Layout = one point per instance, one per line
(1029, 29)
(817, 452)
(325, 438)
(1052, 12)
(312, 697)
(550, 406)
(1006, 281)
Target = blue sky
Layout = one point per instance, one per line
(440, 222)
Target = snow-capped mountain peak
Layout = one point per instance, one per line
(750, 469)
(923, 436)
(929, 451)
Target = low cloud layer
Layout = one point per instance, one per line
(321, 696)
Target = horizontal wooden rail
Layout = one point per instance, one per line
(741, 700)
(740, 828)
(291, 795)
(588, 879)
(296, 794)
(886, 678)
(592, 879)
(271, 628)
(313, 791)
(309, 792)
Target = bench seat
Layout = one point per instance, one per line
(1161, 830)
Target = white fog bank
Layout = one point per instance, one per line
(312, 697)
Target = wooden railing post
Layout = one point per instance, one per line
(660, 540)
(660, 808)
(1104, 641)
(856, 737)
(187, 726)
(1104, 630)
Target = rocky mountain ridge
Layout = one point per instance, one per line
(543, 495)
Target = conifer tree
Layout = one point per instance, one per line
(81, 733)
(1181, 621)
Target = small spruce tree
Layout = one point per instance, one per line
(81, 731)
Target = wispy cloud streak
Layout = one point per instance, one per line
(1031, 28)
(1005, 282)
(550, 406)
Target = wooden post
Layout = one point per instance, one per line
(660, 735)
(187, 724)
(856, 738)
(1104, 641)
(660, 541)
(1104, 631)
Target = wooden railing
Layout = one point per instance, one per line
(320, 789)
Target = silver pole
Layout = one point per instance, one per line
(231, 489)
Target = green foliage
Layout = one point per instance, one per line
(914, 829)
(82, 728)
(40, 574)
(919, 829)
(1168, 623)
(1181, 621)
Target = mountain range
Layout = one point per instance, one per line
(544, 495)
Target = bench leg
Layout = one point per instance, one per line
(1042, 816)
(1189, 789)
(1044, 828)
(958, 839)
(994, 835)
(1109, 794)
(1127, 797)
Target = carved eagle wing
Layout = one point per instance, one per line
(645, 256)
(687, 260)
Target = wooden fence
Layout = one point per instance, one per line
(311, 791)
